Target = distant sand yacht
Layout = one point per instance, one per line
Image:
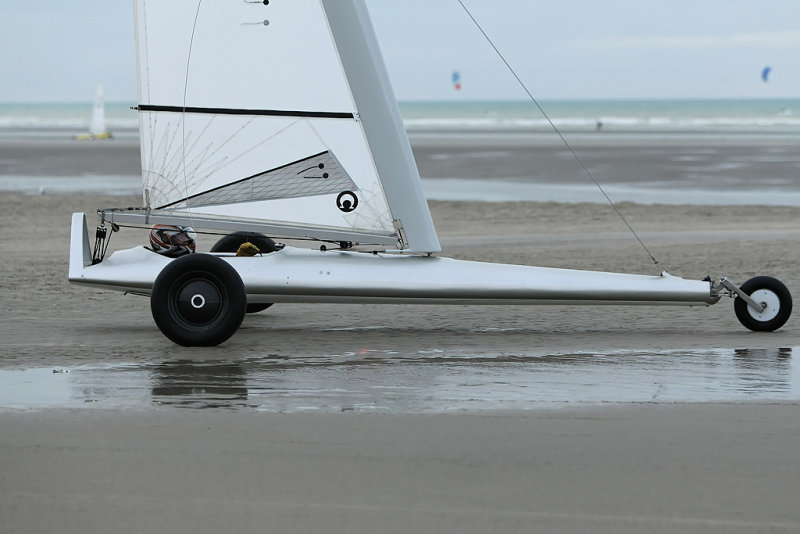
(97, 126)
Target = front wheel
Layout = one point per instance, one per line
(198, 300)
(773, 296)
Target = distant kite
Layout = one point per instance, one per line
(456, 80)
(765, 73)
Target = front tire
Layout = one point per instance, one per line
(769, 291)
(198, 300)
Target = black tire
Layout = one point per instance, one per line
(232, 242)
(778, 299)
(198, 300)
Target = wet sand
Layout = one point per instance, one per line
(712, 161)
(47, 320)
(602, 467)
(641, 468)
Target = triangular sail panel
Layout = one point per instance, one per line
(320, 174)
(238, 99)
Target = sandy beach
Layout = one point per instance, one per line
(683, 466)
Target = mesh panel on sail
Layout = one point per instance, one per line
(320, 174)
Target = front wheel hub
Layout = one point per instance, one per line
(199, 301)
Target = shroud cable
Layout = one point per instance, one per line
(555, 129)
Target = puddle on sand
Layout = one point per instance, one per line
(431, 381)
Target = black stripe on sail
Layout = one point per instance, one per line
(237, 111)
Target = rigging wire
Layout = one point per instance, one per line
(557, 131)
(183, 117)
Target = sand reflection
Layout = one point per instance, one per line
(425, 381)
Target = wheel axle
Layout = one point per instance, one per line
(758, 307)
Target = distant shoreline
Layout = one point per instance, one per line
(495, 134)
(750, 115)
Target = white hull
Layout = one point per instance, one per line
(300, 275)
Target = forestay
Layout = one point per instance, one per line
(280, 114)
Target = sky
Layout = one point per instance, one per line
(56, 51)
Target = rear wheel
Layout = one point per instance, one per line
(232, 242)
(198, 300)
(773, 296)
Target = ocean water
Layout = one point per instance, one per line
(653, 115)
(626, 115)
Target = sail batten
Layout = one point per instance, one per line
(240, 111)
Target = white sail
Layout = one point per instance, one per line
(280, 113)
(97, 125)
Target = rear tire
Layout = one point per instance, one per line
(232, 242)
(198, 300)
(764, 289)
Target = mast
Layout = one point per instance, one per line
(380, 117)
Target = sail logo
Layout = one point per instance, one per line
(347, 201)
